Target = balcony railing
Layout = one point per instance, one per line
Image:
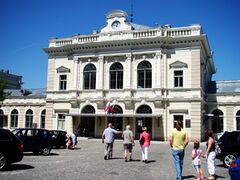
(121, 35)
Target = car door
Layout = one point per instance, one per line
(29, 142)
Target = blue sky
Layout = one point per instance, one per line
(26, 26)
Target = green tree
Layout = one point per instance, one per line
(3, 94)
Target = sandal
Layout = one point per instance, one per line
(211, 178)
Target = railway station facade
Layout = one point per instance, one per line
(129, 74)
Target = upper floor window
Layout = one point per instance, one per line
(116, 76)
(144, 71)
(89, 77)
(178, 78)
(29, 118)
(14, 119)
(62, 82)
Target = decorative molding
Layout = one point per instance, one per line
(63, 69)
(178, 64)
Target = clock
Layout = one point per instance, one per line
(116, 25)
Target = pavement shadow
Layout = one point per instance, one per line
(221, 177)
(189, 177)
(14, 167)
(32, 154)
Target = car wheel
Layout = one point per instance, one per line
(46, 151)
(3, 161)
(228, 158)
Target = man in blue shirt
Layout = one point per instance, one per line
(108, 138)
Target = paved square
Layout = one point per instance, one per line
(87, 162)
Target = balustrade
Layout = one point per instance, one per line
(169, 32)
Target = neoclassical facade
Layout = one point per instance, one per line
(152, 76)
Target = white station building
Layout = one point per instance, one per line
(129, 74)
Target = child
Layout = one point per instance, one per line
(196, 155)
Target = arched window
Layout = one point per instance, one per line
(116, 121)
(116, 76)
(144, 109)
(89, 77)
(238, 120)
(217, 121)
(88, 121)
(43, 118)
(144, 71)
(1, 118)
(29, 118)
(88, 110)
(14, 119)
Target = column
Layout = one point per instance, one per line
(128, 72)
(158, 70)
(100, 80)
(75, 73)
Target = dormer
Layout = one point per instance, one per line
(116, 21)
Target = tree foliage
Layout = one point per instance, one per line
(3, 94)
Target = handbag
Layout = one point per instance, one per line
(141, 140)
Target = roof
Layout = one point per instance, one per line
(40, 92)
(139, 26)
(224, 87)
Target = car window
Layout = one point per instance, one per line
(29, 133)
(18, 133)
(4, 136)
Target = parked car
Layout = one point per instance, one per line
(11, 148)
(229, 144)
(234, 169)
(35, 140)
(58, 138)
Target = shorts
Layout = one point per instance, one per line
(197, 166)
(127, 147)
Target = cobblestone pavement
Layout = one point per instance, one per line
(87, 162)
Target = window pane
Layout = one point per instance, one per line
(89, 77)
(63, 82)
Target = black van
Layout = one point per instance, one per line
(11, 148)
(35, 140)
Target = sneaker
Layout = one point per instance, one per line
(130, 159)
(105, 157)
(126, 159)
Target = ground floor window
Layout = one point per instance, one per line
(61, 121)
(43, 117)
(14, 119)
(177, 118)
(238, 120)
(217, 121)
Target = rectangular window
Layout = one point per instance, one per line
(177, 118)
(188, 123)
(178, 78)
(63, 82)
(61, 121)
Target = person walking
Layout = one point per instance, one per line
(178, 141)
(144, 141)
(128, 143)
(210, 154)
(108, 138)
(196, 159)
